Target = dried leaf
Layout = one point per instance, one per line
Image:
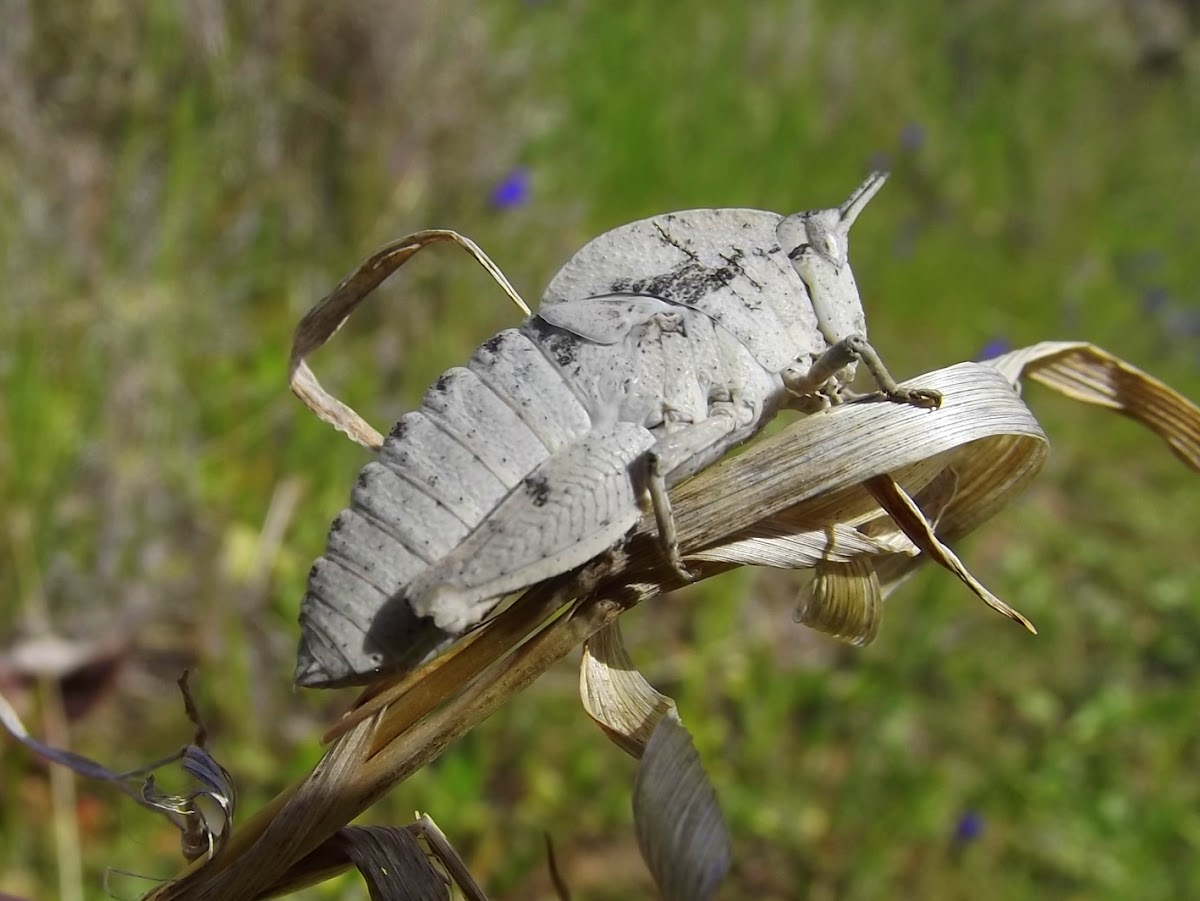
(1091, 375)
(774, 545)
(983, 440)
(203, 815)
(909, 517)
(616, 695)
(208, 811)
(1082, 372)
(680, 829)
(440, 848)
(393, 865)
(842, 600)
(323, 321)
(413, 863)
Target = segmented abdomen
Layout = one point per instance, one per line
(479, 431)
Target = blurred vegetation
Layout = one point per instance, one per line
(181, 181)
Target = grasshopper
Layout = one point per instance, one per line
(656, 349)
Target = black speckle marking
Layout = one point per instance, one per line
(538, 489)
(399, 430)
(562, 346)
(493, 344)
(799, 250)
(735, 262)
(443, 383)
(674, 242)
(687, 284)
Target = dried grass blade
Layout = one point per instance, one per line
(777, 547)
(680, 828)
(398, 864)
(840, 448)
(429, 737)
(392, 863)
(439, 846)
(843, 600)
(203, 815)
(912, 521)
(1092, 375)
(324, 319)
(261, 852)
(616, 695)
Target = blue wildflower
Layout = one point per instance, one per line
(912, 138)
(880, 160)
(1155, 300)
(512, 191)
(968, 828)
(993, 348)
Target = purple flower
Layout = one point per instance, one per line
(912, 138)
(1155, 300)
(968, 828)
(993, 348)
(512, 190)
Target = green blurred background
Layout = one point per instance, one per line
(181, 181)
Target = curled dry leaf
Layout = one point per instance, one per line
(680, 829)
(616, 695)
(843, 600)
(681, 832)
(964, 478)
(819, 507)
(1082, 372)
(410, 863)
(392, 864)
(323, 321)
(203, 815)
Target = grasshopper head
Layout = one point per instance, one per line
(817, 243)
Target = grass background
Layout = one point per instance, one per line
(180, 182)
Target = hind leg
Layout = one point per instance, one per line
(672, 452)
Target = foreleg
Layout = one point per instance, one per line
(854, 349)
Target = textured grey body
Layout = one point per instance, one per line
(673, 335)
